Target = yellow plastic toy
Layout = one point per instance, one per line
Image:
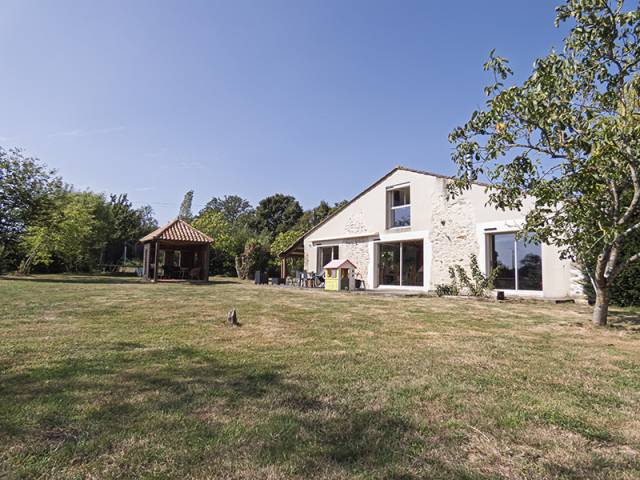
(339, 275)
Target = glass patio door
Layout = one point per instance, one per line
(401, 264)
(519, 262)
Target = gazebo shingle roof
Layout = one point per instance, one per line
(178, 230)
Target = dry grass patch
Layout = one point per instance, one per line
(104, 377)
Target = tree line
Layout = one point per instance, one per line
(247, 239)
(47, 225)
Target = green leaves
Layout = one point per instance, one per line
(228, 238)
(500, 68)
(25, 186)
(284, 240)
(276, 214)
(478, 285)
(568, 136)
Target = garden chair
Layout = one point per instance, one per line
(194, 273)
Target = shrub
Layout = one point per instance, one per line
(255, 257)
(625, 291)
(478, 285)
(446, 289)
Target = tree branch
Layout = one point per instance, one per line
(620, 267)
(636, 196)
(538, 149)
(629, 230)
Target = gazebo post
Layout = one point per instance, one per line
(283, 267)
(145, 261)
(155, 264)
(205, 263)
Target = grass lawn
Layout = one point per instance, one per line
(113, 378)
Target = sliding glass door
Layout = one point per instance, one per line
(401, 264)
(503, 248)
(389, 264)
(519, 262)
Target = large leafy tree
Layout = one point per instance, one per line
(276, 214)
(26, 186)
(233, 207)
(127, 225)
(228, 241)
(314, 216)
(82, 229)
(73, 236)
(568, 140)
(226, 219)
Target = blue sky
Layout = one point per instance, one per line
(316, 99)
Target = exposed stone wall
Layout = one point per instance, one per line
(355, 223)
(308, 249)
(453, 237)
(358, 252)
(576, 278)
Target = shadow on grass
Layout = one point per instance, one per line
(624, 319)
(188, 402)
(78, 279)
(222, 281)
(111, 279)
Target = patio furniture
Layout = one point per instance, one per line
(317, 281)
(169, 272)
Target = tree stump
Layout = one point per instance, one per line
(232, 317)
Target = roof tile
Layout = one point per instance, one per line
(178, 230)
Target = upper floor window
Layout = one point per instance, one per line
(399, 207)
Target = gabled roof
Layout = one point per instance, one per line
(337, 263)
(375, 184)
(180, 231)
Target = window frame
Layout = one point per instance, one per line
(391, 207)
(335, 249)
(490, 244)
(400, 244)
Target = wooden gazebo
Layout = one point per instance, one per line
(176, 251)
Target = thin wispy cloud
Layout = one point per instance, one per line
(156, 153)
(87, 132)
(191, 164)
(144, 189)
(184, 164)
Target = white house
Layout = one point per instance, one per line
(403, 232)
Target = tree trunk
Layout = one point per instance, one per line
(601, 307)
(25, 266)
(238, 263)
